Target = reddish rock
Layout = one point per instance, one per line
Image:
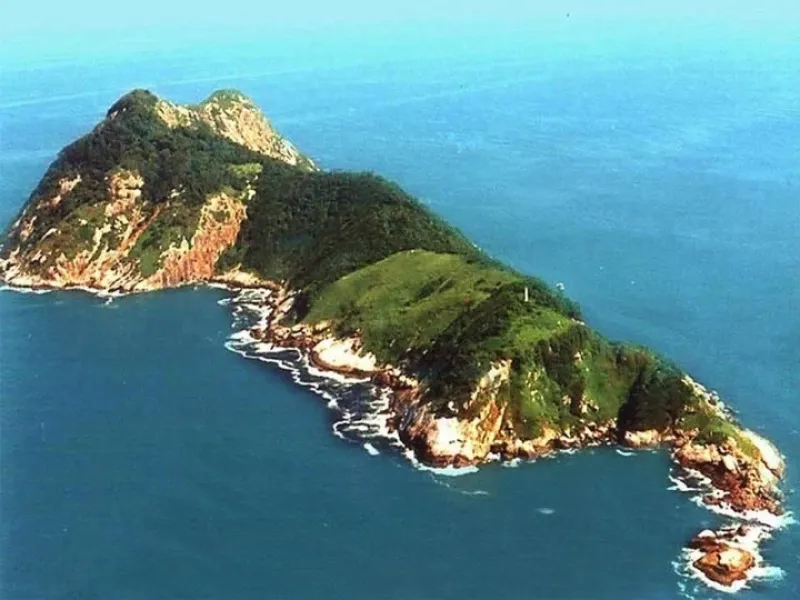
(723, 563)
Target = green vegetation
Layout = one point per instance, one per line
(311, 228)
(715, 429)
(174, 223)
(192, 161)
(448, 317)
(406, 300)
(371, 259)
(246, 173)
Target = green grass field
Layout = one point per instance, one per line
(406, 300)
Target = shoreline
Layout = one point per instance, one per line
(268, 301)
(385, 377)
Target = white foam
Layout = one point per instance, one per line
(445, 471)
(622, 452)
(369, 423)
(339, 377)
(762, 517)
(24, 290)
(679, 485)
(768, 573)
(545, 511)
(452, 487)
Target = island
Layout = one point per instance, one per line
(480, 362)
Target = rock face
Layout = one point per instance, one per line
(108, 264)
(743, 482)
(103, 262)
(642, 439)
(196, 260)
(235, 117)
(729, 556)
(725, 564)
(450, 440)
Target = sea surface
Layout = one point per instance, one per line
(140, 459)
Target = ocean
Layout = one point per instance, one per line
(659, 182)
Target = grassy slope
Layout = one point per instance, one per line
(406, 300)
(447, 317)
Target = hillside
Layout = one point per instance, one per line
(484, 361)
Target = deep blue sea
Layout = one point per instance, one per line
(660, 182)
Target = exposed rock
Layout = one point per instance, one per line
(242, 279)
(770, 457)
(735, 474)
(197, 260)
(102, 265)
(237, 118)
(65, 186)
(454, 440)
(107, 263)
(342, 356)
(642, 439)
(125, 189)
(725, 564)
(729, 555)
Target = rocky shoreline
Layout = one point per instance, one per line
(736, 485)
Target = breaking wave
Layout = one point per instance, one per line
(361, 409)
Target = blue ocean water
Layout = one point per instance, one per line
(660, 183)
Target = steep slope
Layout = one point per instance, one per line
(483, 362)
(150, 198)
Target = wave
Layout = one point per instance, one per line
(361, 409)
(692, 481)
(23, 290)
(73, 288)
(680, 485)
(362, 413)
(761, 517)
(749, 541)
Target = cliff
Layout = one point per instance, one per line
(149, 199)
(482, 362)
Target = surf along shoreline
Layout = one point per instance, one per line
(726, 559)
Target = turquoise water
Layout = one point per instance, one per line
(141, 459)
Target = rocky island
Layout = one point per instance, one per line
(480, 362)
